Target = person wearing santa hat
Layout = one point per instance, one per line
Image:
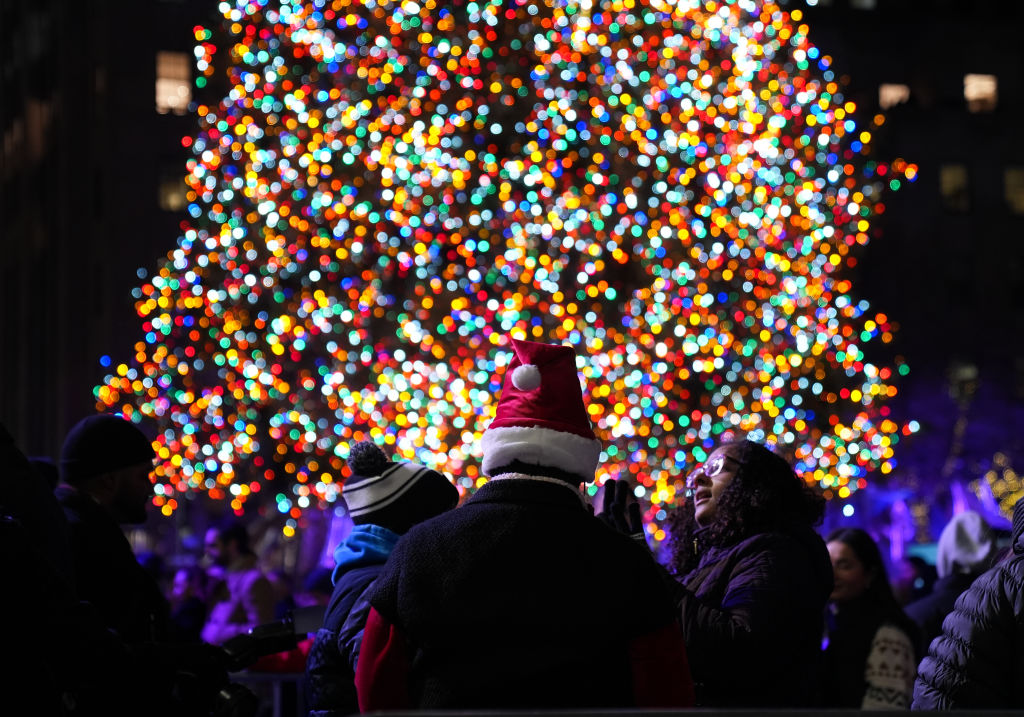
(521, 598)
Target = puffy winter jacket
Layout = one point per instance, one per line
(930, 611)
(977, 662)
(752, 616)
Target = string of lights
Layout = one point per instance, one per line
(382, 192)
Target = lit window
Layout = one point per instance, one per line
(955, 187)
(892, 95)
(1013, 186)
(171, 190)
(173, 83)
(39, 115)
(963, 379)
(980, 92)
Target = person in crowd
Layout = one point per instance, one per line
(115, 633)
(966, 549)
(105, 466)
(46, 469)
(753, 579)
(241, 597)
(913, 579)
(188, 601)
(384, 500)
(871, 653)
(282, 585)
(38, 597)
(153, 563)
(317, 588)
(521, 598)
(977, 662)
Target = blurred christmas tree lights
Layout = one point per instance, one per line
(382, 192)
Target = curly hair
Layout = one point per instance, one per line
(764, 496)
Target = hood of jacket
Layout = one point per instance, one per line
(367, 544)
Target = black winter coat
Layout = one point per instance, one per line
(978, 662)
(108, 576)
(752, 617)
(930, 611)
(521, 599)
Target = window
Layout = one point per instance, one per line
(171, 189)
(14, 140)
(38, 118)
(980, 92)
(173, 83)
(1013, 189)
(955, 187)
(963, 380)
(892, 95)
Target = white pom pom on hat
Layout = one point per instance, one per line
(526, 377)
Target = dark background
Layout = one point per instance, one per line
(947, 266)
(84, 155)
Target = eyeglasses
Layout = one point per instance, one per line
(711, 468)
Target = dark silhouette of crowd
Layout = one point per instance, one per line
(519, 598)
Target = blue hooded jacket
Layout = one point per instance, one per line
(331, 665)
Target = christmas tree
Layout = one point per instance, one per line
(383, 192)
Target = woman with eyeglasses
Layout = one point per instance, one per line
(753, 579)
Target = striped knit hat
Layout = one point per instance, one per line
(393, 495)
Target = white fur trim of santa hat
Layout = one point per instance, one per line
(541, 446)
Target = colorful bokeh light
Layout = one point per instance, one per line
(382, 192)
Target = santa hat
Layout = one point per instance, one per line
(541, 419)
(393, 495)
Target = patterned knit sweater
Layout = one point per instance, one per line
(890, 670)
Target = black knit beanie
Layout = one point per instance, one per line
(393, 495)
(101, 444)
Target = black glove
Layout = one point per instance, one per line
(621, 513)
